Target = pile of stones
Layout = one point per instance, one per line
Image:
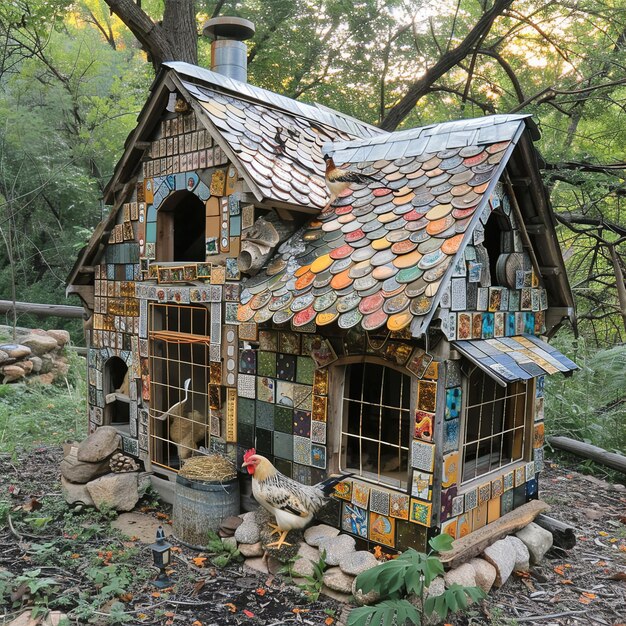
(94, 473)
(36, 354)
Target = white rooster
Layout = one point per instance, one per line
(290, 502)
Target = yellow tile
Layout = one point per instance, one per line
(493, 510)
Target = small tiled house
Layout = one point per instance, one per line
(397, 333)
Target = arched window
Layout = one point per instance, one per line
(376, 424)
(181, 228)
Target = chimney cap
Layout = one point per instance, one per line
(236, 28)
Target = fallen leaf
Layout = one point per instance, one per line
(618, 576)
(169, 614)
(196, 623)
(586, 597)
(603, 533)
(197, 588)
(298, 610)
(260, 591)
(566, 581)
(559, 570)
(32, 505)
(162, 516)
(248, 613)
(328, 621)
(231, 607)
(75, 556)
(199, 560)
(126, 597)
(176, 549)
(155, 594)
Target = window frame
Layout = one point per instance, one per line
(465, 485)
(339, 371)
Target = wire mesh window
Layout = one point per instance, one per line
(496, 425)
(179, 378)
(375, 434)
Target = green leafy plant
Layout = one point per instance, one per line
(314, 582)
(411, 573)
(221, 553)
(28, 588)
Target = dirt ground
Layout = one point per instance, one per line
(585, 585)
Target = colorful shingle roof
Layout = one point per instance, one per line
(382, 253)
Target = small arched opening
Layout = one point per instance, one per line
(181, 223)
(117, 393)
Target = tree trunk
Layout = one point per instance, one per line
(445, 63)
(587, 451)
(181, 30)
(563, 534)
(42, 310)
(619, 282)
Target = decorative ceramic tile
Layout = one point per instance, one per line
(265, 415)
(450, 469)
(493, 510)
(453, 403)
(539, 409)
(283, 419)
(449, 527)
(379, 502)
(302, 450)
(322, 352)
(458, 505)
(360, 494)
(318, 456)
(451, 435)
(538, 457)
(305, 370)
(330, 513)
(420, 512)
(540, 382)
(318, 432)
(283, 446)
(520, 475)
(354, 520)
(303, 397)
(508, 480)
(284, 393)
(484, 492)
(215, 352)
(289, 342)
(519, 495)
(532, 489)
(497, 487)
(399, 506)
(265, 389)
(421, 485)
(453, 374)
(245, 411)
(246, 386)
(411, 536)
(268, 340)
(479, 516)
(471, 499)
(530, 470)
(302, 473)
(423, 456)
(266, 364)
(447, 497)
(424, 425)
(320, 382)
(285, 367)
(320, 408)
(539, 435)
(464, 525)
(432, 371)
(382, 529)
(343, 490)
(284, 466)
(248, 331)
(506, 502)
(245, 435)
(302, 423)
(427, 396)
(247, 362)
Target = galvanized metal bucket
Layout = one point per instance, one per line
(200, 506)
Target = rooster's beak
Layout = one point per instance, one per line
(245, 464)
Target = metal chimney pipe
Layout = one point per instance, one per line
(228, 52)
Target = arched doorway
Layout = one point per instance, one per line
(117, 393)
(181, 228)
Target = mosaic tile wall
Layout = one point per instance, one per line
(463, 511)
(282, 403)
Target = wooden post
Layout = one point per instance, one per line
(564, 535)
(587, 451)
(43, 310)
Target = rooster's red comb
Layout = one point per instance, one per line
(248, 453)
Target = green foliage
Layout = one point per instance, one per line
(222, 554)
(29, 587)
(410, 574)
(312, 587)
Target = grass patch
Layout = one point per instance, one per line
(34, 414)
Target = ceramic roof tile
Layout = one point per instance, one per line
(382, 253)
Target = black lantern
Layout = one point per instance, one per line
(161, 555)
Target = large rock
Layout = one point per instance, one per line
(251, 550)
(11, 373)
(73, 492)
(336, 580)
(40, 344)
(80, 472)
(502, 556)
(336, 548)
(60, 336)
(522, 555)
(485, 574)
(303, 566)
(16, 350)
(37, 363)
(4, 357)
(229, 525)
(139, 526)
(463, 575)
(354, 563)
(538, 541)
(248, 532)
(100, 445)
(118, 491)
(371, 597)
(315, 534)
